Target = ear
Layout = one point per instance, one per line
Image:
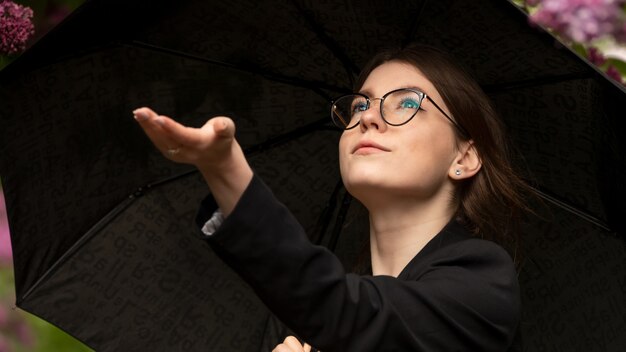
(467, 162)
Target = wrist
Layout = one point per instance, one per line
(228, 179)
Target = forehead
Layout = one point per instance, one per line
(394, 75)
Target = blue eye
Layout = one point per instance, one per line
(409, 104)
(359, 107)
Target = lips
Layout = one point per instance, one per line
(368, 147)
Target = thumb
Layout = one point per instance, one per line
(224, 127)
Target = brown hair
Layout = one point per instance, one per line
(491, 203)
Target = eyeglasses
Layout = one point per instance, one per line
(397, 108)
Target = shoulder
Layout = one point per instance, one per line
(474, 251)
(476, 280)
(468, 283)
(473, 259)
(462, 268)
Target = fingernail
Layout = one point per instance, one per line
(140, 115)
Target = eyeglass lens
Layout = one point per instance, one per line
(398, 108)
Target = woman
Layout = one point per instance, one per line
(424, 152)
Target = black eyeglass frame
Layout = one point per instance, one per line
(422, 96)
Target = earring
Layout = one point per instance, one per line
(457, 172)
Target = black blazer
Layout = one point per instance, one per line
(457, 294)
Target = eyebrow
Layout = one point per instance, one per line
(368, 93)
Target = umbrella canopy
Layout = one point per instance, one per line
(102, 225)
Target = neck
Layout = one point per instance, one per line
(399, 229)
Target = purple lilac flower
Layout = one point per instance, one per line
(15, 330)
(5, 239)
(582, 20)
(612, 72)
(23, 333)
(596, 57)
(16, 26)
(620, 35)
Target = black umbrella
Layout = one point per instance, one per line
(102, 225)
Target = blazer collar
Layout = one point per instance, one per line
(452, 233)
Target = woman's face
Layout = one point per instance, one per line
(413, 159)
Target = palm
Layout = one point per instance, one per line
(203, 147)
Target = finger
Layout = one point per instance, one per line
(293, 343)
(224, 126)
(161, 126)
(220, 127)
(307, 347)
(182, 134)
(148, 120)
(144, 115)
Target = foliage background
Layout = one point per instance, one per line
(19, 330)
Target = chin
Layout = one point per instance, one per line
(364, 177)
(362, 185)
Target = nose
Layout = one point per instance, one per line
(372, 117)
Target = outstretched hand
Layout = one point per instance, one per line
(208, 146)
(212, 148)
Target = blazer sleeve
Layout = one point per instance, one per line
(467, 299)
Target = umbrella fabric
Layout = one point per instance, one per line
(101, 224)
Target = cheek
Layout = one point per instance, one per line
(433, 152)
(344, 141)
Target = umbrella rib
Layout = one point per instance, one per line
(270, 143)
(82, 240)
(315, 86)
(288, 137)
(263, 146)
(280, 140)
(546, 80)
(572, 209)
(413, 30)
(350, 67)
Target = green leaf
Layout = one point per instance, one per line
(580, 49)
(50, 338)
(618, 64)
(4, 61)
